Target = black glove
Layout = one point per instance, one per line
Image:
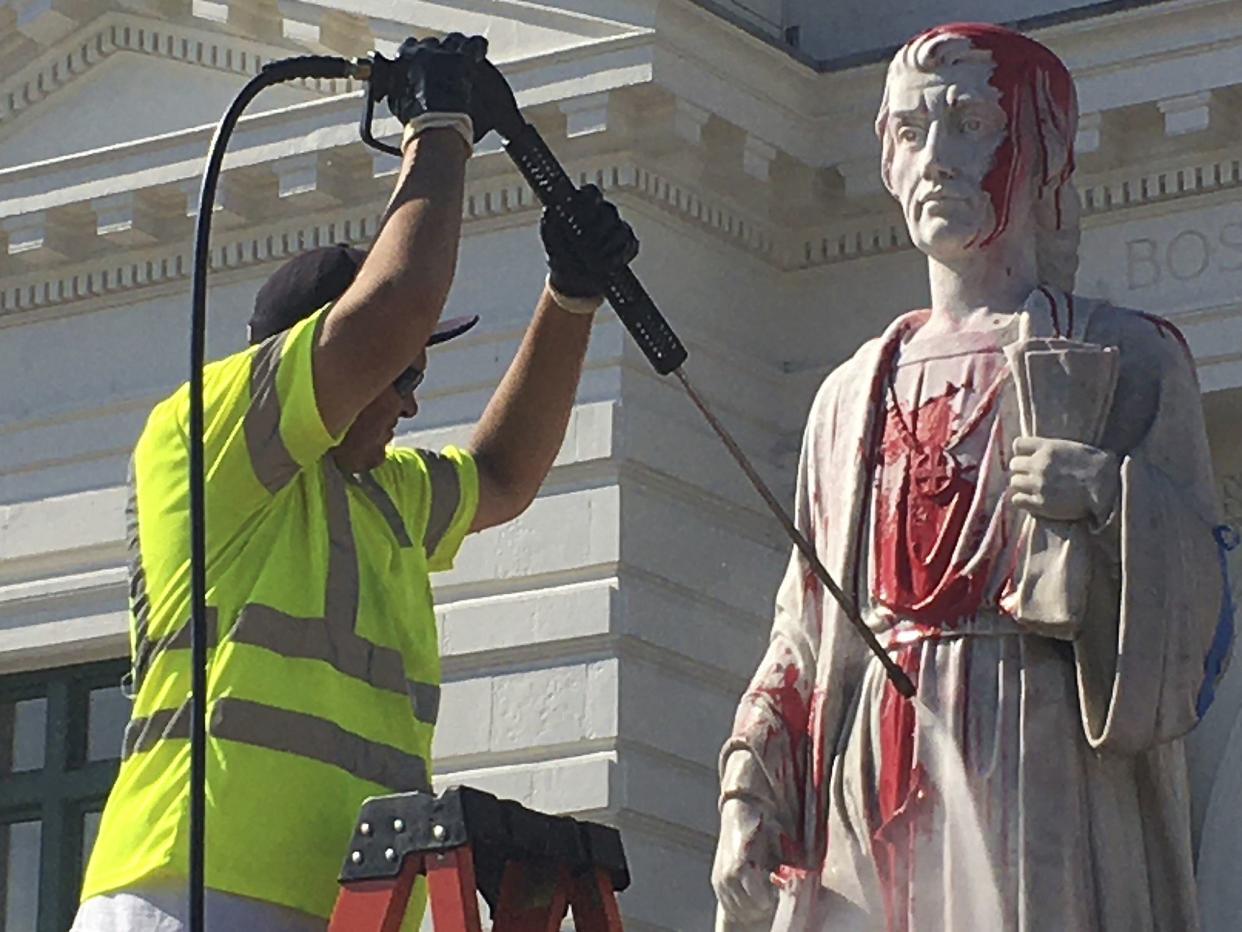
(435, 76)
(580, 266)
(493, 99)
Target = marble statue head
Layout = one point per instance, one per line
(977, 131)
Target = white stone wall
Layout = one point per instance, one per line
(595, 648)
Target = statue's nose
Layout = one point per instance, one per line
(939, 161)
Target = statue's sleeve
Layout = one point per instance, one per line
(775, 714)
(1157, 631)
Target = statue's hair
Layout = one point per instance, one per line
(1038, 97)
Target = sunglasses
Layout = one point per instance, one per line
(408, 381)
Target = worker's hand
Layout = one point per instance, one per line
(746, 854)
(434, 78)
(579, 266)
(1063, 480)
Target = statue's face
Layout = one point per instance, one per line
(946, 128)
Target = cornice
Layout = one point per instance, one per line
(489, 201)
(76, 55)
(504, 199)
(820, 120)
(196, 43)
(1151, 17)
(608, 76)
(543, 81)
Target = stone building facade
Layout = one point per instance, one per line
(594, 649)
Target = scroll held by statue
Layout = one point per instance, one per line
(1065, 391)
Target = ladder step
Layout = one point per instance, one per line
(530, 867)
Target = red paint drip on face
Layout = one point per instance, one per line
(1023, 70)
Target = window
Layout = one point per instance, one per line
(60, 746)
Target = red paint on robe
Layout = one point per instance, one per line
(784, 695)
(903, 796)
(781, 692)
(1167, 328)
(785, 875)
(917, 534)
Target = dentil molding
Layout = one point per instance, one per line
(495, 199)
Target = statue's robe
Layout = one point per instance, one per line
(1214, 753)
(1043, 776)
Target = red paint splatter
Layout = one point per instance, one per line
(1166, 328)
(790, 852)
(812, 595)
(779, 691)
(810, 583)
(790, 705)
(786, 874)
(917, 534)
(870, 448)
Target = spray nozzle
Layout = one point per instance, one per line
(377, 72)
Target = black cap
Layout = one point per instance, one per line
(310, 280)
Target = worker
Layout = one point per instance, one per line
(324, 670)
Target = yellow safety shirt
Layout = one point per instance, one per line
(324, 671)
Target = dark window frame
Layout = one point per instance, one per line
(67, 787)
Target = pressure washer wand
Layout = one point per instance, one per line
(638, 312)
(666, 353)
(901, 682)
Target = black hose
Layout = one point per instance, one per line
(289, 69)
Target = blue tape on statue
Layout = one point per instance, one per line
(1227, 538)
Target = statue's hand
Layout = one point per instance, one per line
(1063, 480)
(746, 855)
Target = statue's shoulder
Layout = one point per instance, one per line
(863, 359)
(857, 370)
(866, 359)
(851, 382)
(1138, 334)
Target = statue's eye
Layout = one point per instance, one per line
(972, 125)
(910, 134)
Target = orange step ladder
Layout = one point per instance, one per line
(531, 868)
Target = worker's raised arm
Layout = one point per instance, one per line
(382, 321)
(524, 424)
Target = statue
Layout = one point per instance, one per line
(1015, 486)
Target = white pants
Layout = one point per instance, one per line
(164, 909)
